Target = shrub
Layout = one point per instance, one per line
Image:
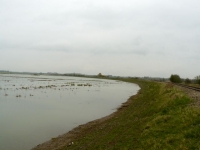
(175, 78)
(187, 81)
(197, 79)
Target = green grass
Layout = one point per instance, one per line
(158, 118)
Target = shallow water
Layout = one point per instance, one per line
(33, 109)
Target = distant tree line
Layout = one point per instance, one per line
(176, 79)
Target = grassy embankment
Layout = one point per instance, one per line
(159, 117)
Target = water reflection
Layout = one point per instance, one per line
(33, 109)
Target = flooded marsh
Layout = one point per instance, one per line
(34, 109)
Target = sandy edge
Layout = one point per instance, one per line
(67, 139)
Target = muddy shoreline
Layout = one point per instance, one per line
(67, 139)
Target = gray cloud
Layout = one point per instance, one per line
(154, 38)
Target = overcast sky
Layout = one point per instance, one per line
(117, 37)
